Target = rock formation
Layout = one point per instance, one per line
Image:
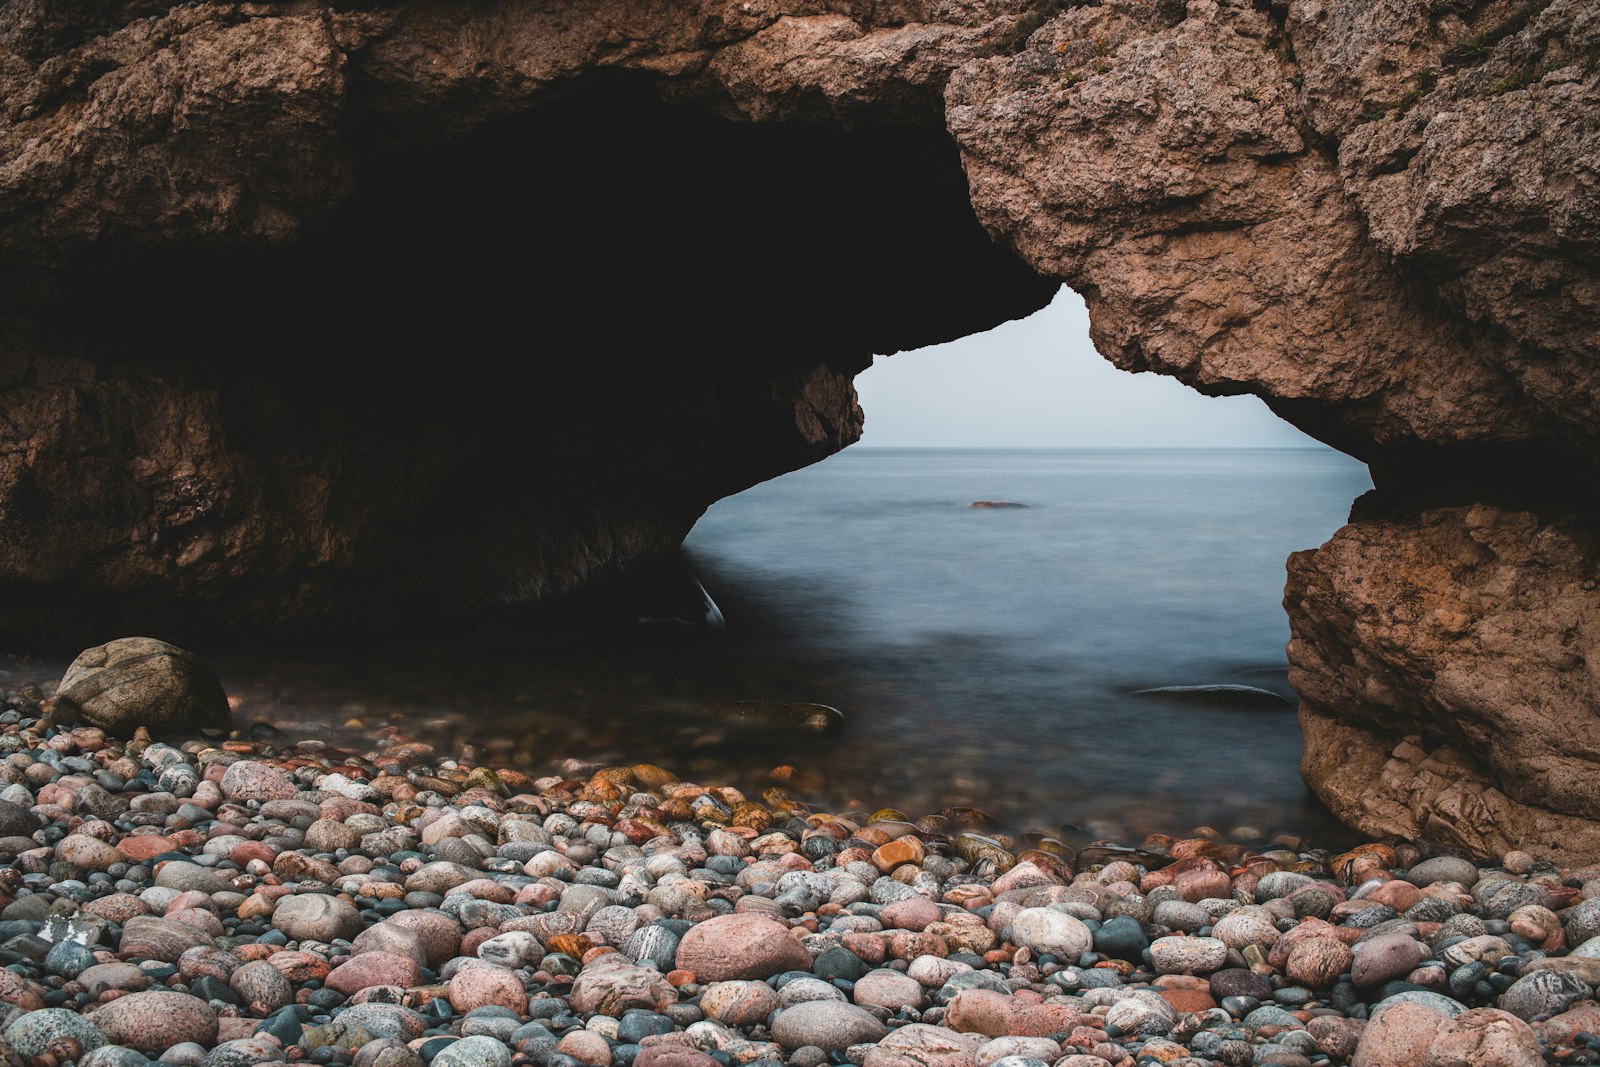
(336, 313)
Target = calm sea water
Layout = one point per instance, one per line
(985, 657)
(992, 656)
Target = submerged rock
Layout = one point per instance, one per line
(817, 718)
(1241, 697)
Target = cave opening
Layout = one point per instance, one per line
(509, 367)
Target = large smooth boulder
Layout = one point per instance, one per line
(141, 681)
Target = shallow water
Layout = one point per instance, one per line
(985, 657)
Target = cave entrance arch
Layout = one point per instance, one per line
(509, 366)
(998, 656)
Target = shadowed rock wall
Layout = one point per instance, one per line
(339, 310)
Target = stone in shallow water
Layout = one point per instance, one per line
(812, 718)
(1218, 696)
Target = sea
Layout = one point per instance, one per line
(1000, 656)
(996, 658)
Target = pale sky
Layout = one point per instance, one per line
(1038, 383)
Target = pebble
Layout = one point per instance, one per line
(266, 902)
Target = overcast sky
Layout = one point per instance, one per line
(1038, 383)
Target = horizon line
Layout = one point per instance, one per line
(1315, 447)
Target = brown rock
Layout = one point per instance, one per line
(149, 937)
(611, 984)
(440, 935)
(671, 1056)
(477, 987)
(1486, 1036)
(154, 1021)
(905, 849)
(742, 1003)
(14, 989)
(913, 913)
(1398, 1035)
(140, 681)
(1317, 962)
(299, 967)
(141, 848)
(980, 1011)
(922, 1045)
(740, 946)
(1183, 1000)
(374, 968)
(1510, 776)
(585, 1046)
(263, 988)
(247, 780)
(394, 939)
(88, 853)
(1385, 957)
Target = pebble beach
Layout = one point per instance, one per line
(256, 899)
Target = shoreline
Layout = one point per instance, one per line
(297, 902)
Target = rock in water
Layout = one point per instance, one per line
(995, 504)
(1239, 697)
(140, 681)
(818, 718)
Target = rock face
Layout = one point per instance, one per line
(1446, 693)
(228, 231)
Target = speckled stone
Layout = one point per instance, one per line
(743, 1003)
(888, 989)
(155, 1020)
(477, 987)
(262, 988)
(373, 968)
(740, 946)
(30, 1034)
(1187, 955)
(922, 1045)
(474, 1052)
(248, 780)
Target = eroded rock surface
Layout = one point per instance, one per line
(229, 230)
(1443, 662)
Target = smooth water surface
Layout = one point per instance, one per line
(984, 657)
(990, 656)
